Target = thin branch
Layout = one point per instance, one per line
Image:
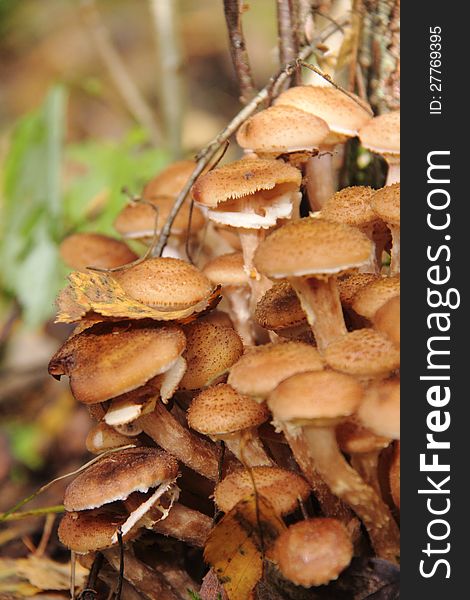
(238, 52)
(287, 39)
(205, 156)
(125, 85)
(170, 61)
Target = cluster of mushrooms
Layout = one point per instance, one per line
(289, 389)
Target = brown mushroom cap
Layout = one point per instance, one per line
(386, 204)
(387, 319)
(90, 530)
(282, 129)
(312, 247)
(102, 437)
(364, 353)
(342, 114)
(243, 178)
(313, 552)
(281, 487)
(279, 308)
(261, 369)
(103, 365)
(350, 206)
(166, 283)
(82, 250)
(380, 410)
(117, 475)
(370, 298)
(220, 409)
(349, 285)
(227, 270)
(382, 134)
(353, 438)
(319, 395)
(170, 181)
(210, 351)
(137, 220)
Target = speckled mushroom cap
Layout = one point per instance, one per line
(282, 129)
(82, 250)
(117, 475)
(105, 364)
(315, 396)
(227, 270)
(363, 353)
(350, 206)
(380, 410)
(279, 308)
(313, 552)
(211, 350)
(217, 317)
(386, 204)
(342, 114)
(387, 319)
(382, 134)
(137, 220)
(170, 181)
(353, 438)
(88, 531)
(166, 283)
(349, 285)
(371, 297)
(220, 410)
(243, 178)
(281, 487)
(312, 247)
(261, 369)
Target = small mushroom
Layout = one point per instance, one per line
(223, 414)
(369, 299)
(381, 135)
(313, 552)
(387, 320)
(103, 437)
(82, 250)
(311, 253)
(386, 205)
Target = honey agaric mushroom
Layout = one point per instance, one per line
(311, 253)
(279, 130)
(380, 409)
(165, 283)
(364, 353)
(251, 195)
(221, 413)
(259, 371)
(313, 552)
(387, 320)
(373, 296)
(170, 181)
(344, 117)
(280, 311)
(105, 362)
(114, 478)
(227, 270)
(348, 286)
(309, 406)
(280, 487)
(351, 206)
(82, 250)
(210, 351)
(386, 204)
(381, 135)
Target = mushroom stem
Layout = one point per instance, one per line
(345, 483)
(247, 447)
(198, 454)
(321, 181)
(321, 303)
(366, 464)
(185, 524)
(239, 304)
(395, 255)
(393, 174)
(146, 580)
(259, 284)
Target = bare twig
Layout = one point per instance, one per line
(286, 27)
(238, 52)
(170, 61)
(125, 85)
(205, 156)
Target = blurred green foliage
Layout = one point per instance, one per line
(51, 189)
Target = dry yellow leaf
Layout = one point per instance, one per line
(94, 292)
(236, 546)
